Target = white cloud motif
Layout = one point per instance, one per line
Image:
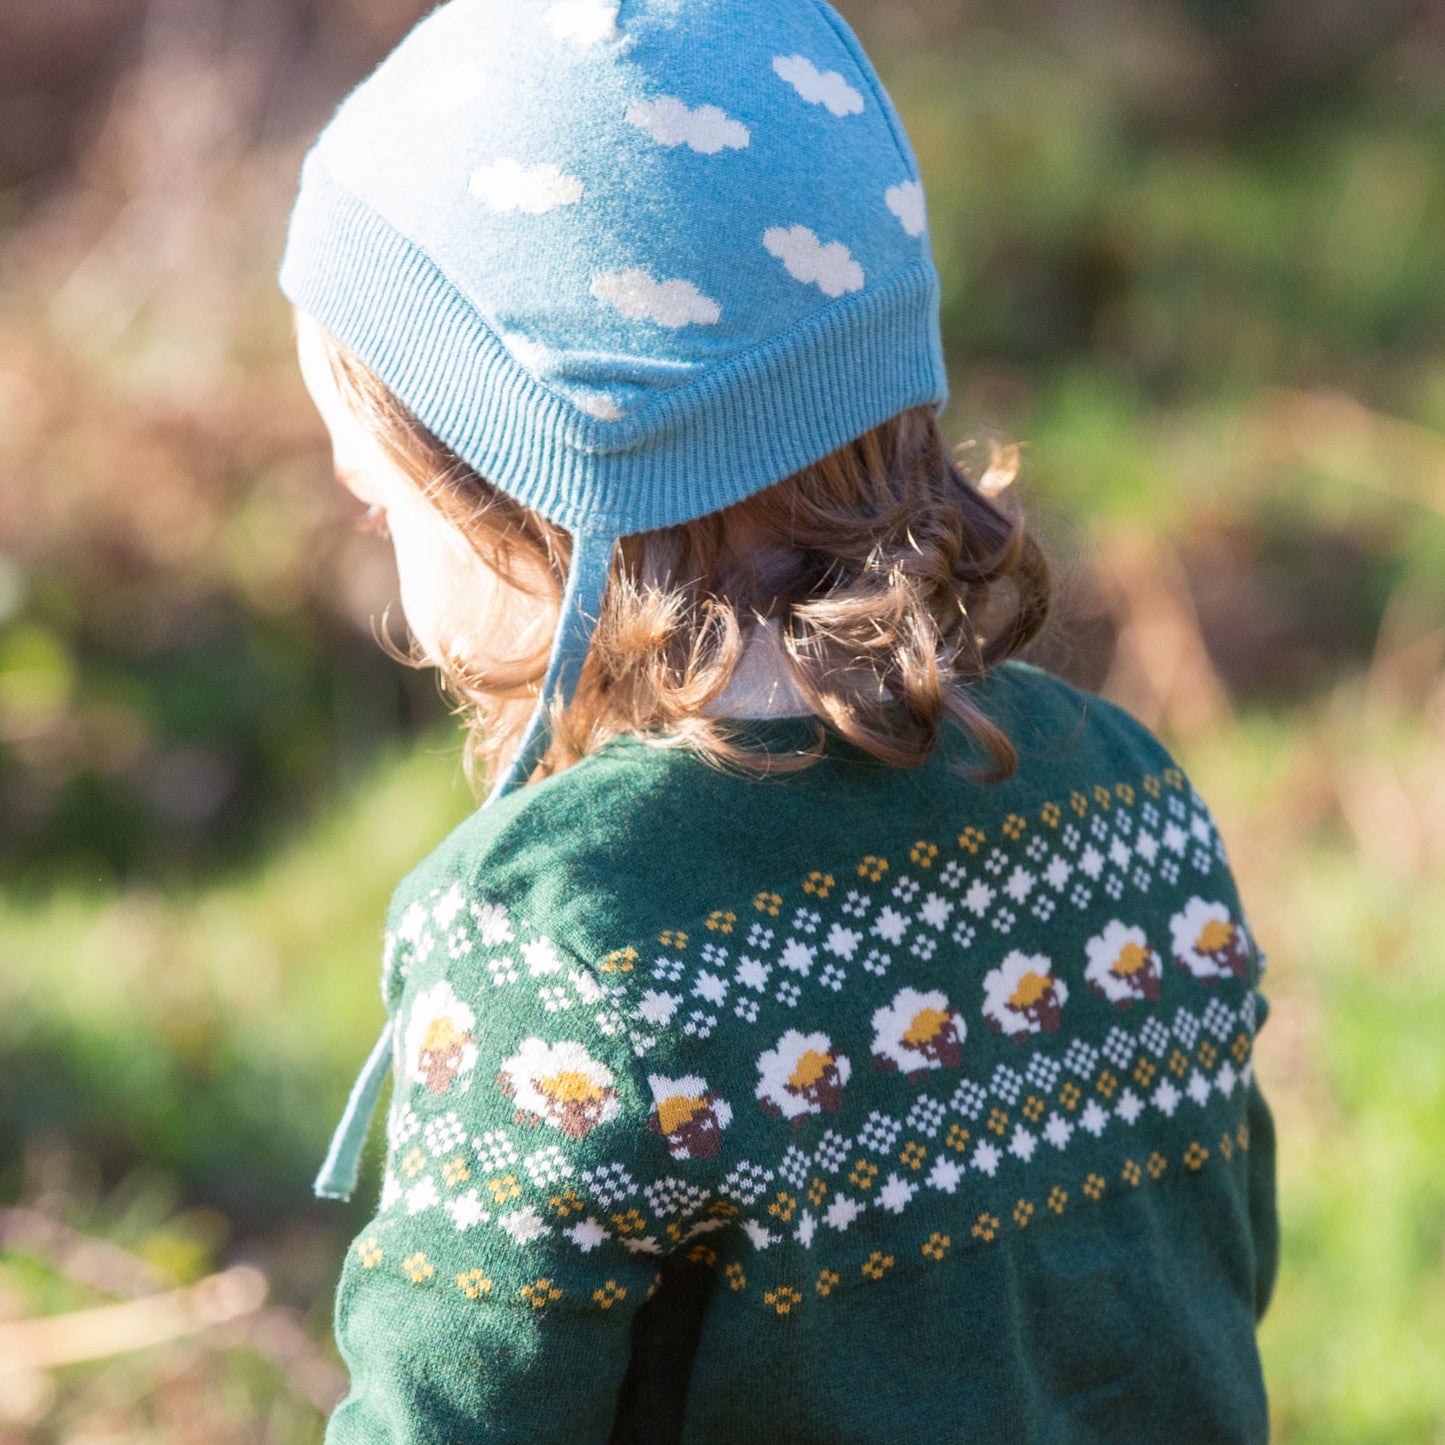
(825, 87)
(507, 185)
(828, 267)
(586, 21)
(640, 296)
(671, 122)
(905, 200)
(599, 404)
(533, 356)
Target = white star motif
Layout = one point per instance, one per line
(587, 1234)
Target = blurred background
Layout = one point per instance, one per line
(1191, 253)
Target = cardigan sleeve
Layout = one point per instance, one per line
(528, 1202)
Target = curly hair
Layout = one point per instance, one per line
(891, 580)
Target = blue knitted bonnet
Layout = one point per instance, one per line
(631, 262)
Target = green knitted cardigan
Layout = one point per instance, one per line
(863, 1104)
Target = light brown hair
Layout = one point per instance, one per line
(893, 580)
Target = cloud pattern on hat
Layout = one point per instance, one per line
(905, 200)
(507, 185)
(640, 296)
(819, 87)
(828, 267)
(670, 122)
(586, 21)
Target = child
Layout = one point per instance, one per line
(829, 1029)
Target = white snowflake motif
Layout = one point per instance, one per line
(978, 897)
(890, 925)
(443, 1135)
(495, 1150)
(831, 977)
(1146, 845)
(896, 1194)
(1226, 1079)
(1020, 884)
(876, 962)
(657, 1007)
(753, 973)
(502, 970)
(1058, 873)
(879, 1133)
(446, 908)
(413, 923)
(986, 1158)
(1198, 1088)
(798, 957)
(547, 1166)
(906, 890)
(1093, 1119)
(1092, 862)
(711, 987)
(466, 1211)
(842, 942)
(936, 911)
(541, 957)
(926, 1116)
(760, 938)
(609, 1184)
(390, 1191)
(832, 1150)
(586, 1234)
(807, 1227)
(945, 1174)
(1120, 853)
(1165, 1098)
(747, 1182)
(842, 1212)
(1176, 840)
(806, 920)
(1129, 1107)
(856, 904)
(422, 1195)
(525, 1225)
(1058, 1131)
(493, 925)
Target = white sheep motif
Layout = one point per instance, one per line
(1122, 967)
(803, 1075)
(918, 1032)
(1022, 996)
(1207, 942)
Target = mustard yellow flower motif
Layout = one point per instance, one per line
(1178, 1063)
(1226, 1146)
(413, 1163)
(817, 1191)
(1069, 1095)
(1033, 1108)
(630, 1222)
(1107, 1082)
(1174, 778)
(1094, 1186)
(565, 1204)
(936, 1245)
(1157, 1165)
(863, 1173)
(1013, 827)
(873, 868)
(418, 1267)
(1057, 1199)
(1131, 1173)
(620, 960)
(1207, 1054)
(985, 1227)
(1242, 1135)
(913, 1154)
(877, 1264)
(1079, 803)
(769, 903)
(783, 1299)
(826, 1280)
(540, 1293)
(1101, 796)
(957, 1137)
(473, 1283)
(735, 1277)
(504, 1187)
(1051, 813)
(703, 1254)
(1240, 1048)
(997, 1121)
(721, 920)
(723, 1208)
(1023, 1212)
(1195, 1155)
(820, 885)
(455, 1171)
(609, 1294)
(972, 839)
(784, 1206)
(923, 853)
(1144, 1072)
(672, 938)
(369, 1251)
(1125, 794)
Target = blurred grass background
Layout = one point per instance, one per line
(1191, 258)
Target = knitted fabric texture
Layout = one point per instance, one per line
(631, 263)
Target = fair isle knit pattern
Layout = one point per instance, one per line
(828, 1074)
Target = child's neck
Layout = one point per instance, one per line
(759, 686)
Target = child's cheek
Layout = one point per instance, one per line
(445, 589)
